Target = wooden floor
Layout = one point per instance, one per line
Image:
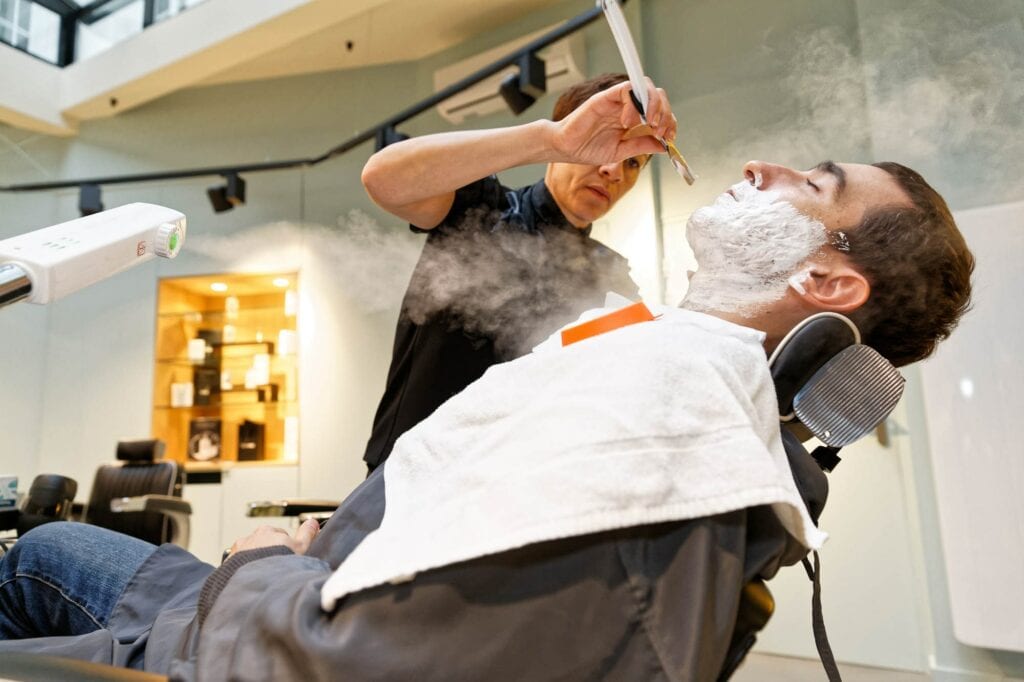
(764, 668)
(767, 668)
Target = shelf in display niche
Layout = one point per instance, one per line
(218, 315)
(230, 344)
(218, 407)
(287, 360)
(220, 358)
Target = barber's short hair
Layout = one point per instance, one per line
(581, 92)
(919, 268)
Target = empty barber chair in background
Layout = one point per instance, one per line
(140, 495)
(49, 498)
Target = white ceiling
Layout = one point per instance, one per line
(221, 41)
(394, 31)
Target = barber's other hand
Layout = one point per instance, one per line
(269, 536)
(594, 132)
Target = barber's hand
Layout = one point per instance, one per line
(594, 132)
(269, 536)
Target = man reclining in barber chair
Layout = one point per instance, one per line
(588, 511)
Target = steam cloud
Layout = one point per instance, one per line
(508, 285)
(931, 86)
(925, 83)
(370, 264)
(511, 287)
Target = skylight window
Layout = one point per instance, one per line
(61, 31)
(31, 28)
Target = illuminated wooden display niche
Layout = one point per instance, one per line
(225, 386)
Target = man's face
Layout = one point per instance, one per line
(585, 193)
(761, 232)
(835, 194)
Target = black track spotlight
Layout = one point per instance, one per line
(388, 135)
(225, 197)
(520, 90)
(89, 199)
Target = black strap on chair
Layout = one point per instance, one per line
(832, 387)
(828, 661)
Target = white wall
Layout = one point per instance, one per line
(795, 82)
(974, 405)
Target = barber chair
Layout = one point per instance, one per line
(140, 495)
(49, 498)
(828, 385)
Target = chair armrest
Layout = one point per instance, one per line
(290, 507)
(39, 668)
(174, 508)
(165, 504)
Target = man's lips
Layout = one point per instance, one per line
(601, 191)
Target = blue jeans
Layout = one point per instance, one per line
(65, 579)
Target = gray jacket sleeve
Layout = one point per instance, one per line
(650, 603)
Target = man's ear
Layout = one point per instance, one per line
(836, 287)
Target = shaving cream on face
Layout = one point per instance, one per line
(797, 280)
(748, 247)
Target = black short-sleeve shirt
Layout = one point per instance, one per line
(502, 271)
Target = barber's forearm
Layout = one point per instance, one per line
(435, 165)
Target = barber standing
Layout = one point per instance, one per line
(502, 268)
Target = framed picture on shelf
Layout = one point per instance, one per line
(204, 439)
(250, 441)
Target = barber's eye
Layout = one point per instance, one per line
(813, 186)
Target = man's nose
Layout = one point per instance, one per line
(763, 175)
(612, 172)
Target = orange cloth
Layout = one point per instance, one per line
(631, 314)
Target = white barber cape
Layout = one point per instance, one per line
(659, 421)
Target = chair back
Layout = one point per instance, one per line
(49, 499)
(136, 473)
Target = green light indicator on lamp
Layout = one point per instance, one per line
(173, 243)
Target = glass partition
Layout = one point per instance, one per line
(30, 27)
(62, 31)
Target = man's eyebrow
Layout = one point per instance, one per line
(835, 171)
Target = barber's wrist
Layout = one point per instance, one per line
(546, 134)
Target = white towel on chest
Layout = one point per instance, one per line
(659, 421)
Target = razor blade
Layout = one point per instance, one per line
(631, 59)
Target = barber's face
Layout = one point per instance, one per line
(585, 193)
(835, 194)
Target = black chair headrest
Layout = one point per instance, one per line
(143, 450)
(834, 387)
(805, 350)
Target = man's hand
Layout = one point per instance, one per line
(595, 132)
(269, 536)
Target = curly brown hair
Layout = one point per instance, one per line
(919, 268)
(581, 92)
